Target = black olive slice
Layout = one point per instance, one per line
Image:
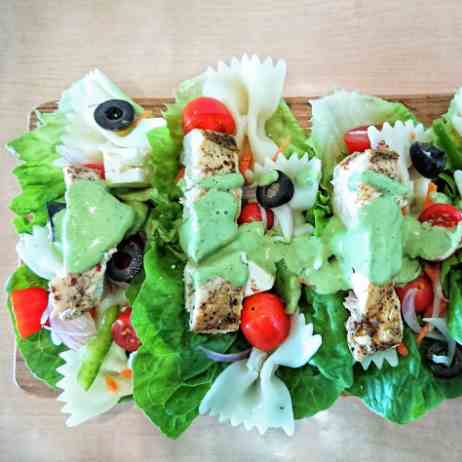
(114, 114)
(127, 262)
(277, 193)
(427, 159)
(436, 348)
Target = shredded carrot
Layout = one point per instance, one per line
(246, 157)
(402, 349)
(432, 188)
(93, 312)
(111, 384)
(180, 174)
(126, 373)
(423, 333)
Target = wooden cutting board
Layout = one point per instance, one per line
(425, 107)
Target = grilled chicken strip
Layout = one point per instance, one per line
(214, 306)
(375, 323)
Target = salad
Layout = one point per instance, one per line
(223, 260)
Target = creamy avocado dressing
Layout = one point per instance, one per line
(94, 222)
(223, 182)
(410, 270)
(266, 177)
(209, 225)
(379, 182)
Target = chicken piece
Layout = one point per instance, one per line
(206, 154)
(73, 294)
(375, 323)
(347, 201)
(72, 173)
(214, 307)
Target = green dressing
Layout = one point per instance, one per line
(223, 182)
(94, 222)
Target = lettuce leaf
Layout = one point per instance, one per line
(455, 305)
(283, 128)
(39, 179)
(334, 115)
(400, 394)
(445, 134)
(171, 375)
(311, 392)
(333, 359)
(39, 352)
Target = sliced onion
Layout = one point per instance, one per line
(74, 333)
(441, 325)
(437, 297)
(408, 309)
(285, 219)
(224, 358)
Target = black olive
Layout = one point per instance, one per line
(127, 262)
(441, 370)
(427, 159)
(114, 114)
(52, 209)
(277, 193)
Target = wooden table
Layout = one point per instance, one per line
(391, 47)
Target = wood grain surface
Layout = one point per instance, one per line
(148, 46)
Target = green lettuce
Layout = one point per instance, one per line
(454, 317)
(334, 359)
(400, 394)
(39, 179)
(283, 128)
(446, 136)
(311, 392)
(171, 375)
(40, 354)
(334, 115)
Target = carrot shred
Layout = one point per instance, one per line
(423, 333)
(126, 373)
(402, 349)
(111, 384)
(432, 188)
(246, 158)
(180, 174)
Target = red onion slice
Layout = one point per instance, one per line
(408, 309)
(224, 358)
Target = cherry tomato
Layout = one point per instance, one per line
(357, 140)
(445, 215)
(28, 307)
(123, 332)
(252, 212)
(98, 168)
(264, 321)
(423, 296)
(442, 313)
(208, 114)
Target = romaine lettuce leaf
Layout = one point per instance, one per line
(334, 359)
(171, 375)
(39, 352)
(334, 115)
(446, 135)
(455, 305)
(400, 394)
(311, 392)
(39, 179)
(283, 128)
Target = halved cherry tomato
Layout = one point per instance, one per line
(357, 140)
(98, 168)
(264, 321)
(252, 212)
(208, 114)
(123, 332)
(445, 215)
(28, 307)
(424, 294)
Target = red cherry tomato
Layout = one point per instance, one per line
(28, 307)
(264, 321)
(252, 212)
(423, 296)
(445, 215)
(208, 114)
(98, 168)
(357, 140)
(123, 333)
